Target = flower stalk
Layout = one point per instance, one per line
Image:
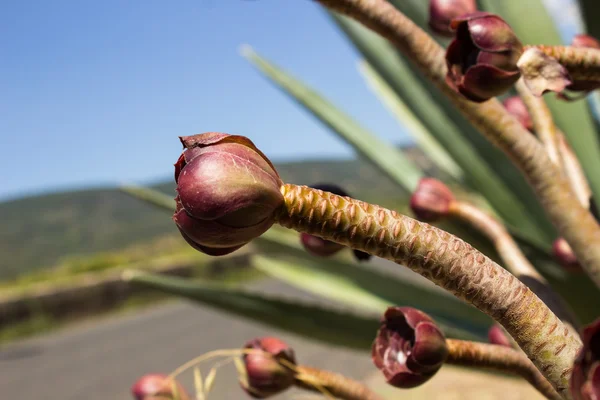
(573, 221)
(498, 358)
(582, 63)
(330, 383)
(445, 260)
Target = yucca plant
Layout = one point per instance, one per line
(523, 178)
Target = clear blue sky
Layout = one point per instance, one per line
(96, 92)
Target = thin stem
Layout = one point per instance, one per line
(574, 222)
(541, 117)
(514, 259)
(574, 171)
(498, 358)
(445, 260)
(582, 63)
(337, 385)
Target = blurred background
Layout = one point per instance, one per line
(93, 96)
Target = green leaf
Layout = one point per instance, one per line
(510, 196)
(340, 328)
(405, 117)
(384, 156)
(151, 196)
(533, 25)
(372, 291)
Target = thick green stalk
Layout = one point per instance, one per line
(498, 358)
(443, 259)
(572, 220)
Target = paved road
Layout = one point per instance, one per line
(99, 360)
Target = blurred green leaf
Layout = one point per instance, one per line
(533, 25)
(384, 156)
(513, 201)
(340, 328)
(430, 146)
(150, 196)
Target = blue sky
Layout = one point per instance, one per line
(96, 92)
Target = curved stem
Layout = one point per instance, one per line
(498, 358)
(334, 384)
(541, 117)
(443, 259)
(574, 222)
(582, 63)
(574, 171)
(514, 259)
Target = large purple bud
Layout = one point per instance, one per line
(228, 192)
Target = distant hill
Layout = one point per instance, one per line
(36, 232)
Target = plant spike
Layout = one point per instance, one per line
(445, 260)
(572, 220)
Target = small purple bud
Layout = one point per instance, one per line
(482, 59)
(228, 191)
(516, 107)
(585, 378)
(268, 374)
(409, 348)
(158, 387)
(431, 200)
(497, 336)
(442, 12)
(564, 255)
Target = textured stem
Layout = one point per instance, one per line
(337, 385)
(574, 222)
(541, 117)
(574, 171)
(443, 259)
(582, 63)
(498, 358)
(514, 259)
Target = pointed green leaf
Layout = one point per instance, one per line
(340, 328)
(384, 156)
(430, 146)
(533, 25)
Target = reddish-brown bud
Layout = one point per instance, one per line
(497, 336)
(228, 191)
(585, 378)
(158, 387)
(431, 200)
(442, 12)
(482, 59)
(564, 255)
(516, 107)
(268, 369)
(409, 348)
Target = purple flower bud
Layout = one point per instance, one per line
(497, 336)
(431, 200)
(590, 42)
(585, 378)
(516, 107)
(409, 348)
(158, 387)
(266, 374)
(564, 255)
(482, 59)
(442, 12)
(228, 191)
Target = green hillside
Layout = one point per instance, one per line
(38, 232)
